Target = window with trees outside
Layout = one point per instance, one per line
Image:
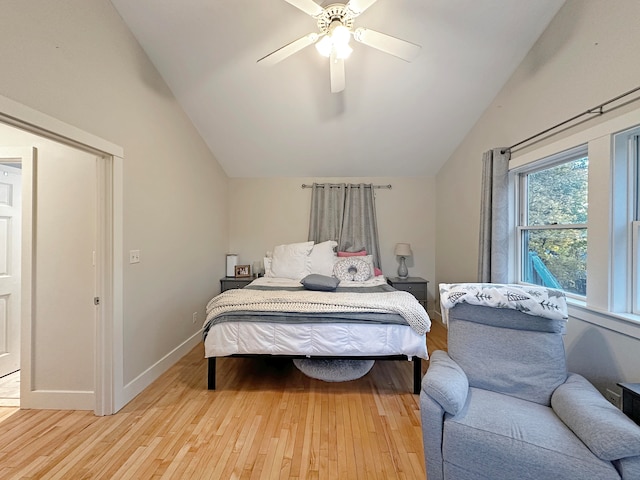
(552, 230)
(575, 217)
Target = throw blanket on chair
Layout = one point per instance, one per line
(398, 302)
(532, 300)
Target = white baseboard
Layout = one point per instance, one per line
(57, 400)
(146, 378)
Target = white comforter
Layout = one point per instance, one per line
(306, 301)
(314, 339)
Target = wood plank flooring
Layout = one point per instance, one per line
(10, 390)
(266, 421)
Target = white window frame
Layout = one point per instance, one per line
(635, 283)
(632, 140)
(610, 284)
(522, 202)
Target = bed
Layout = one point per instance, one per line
(279, 316)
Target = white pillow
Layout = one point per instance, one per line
(290, 261)
(267, 266)
(322, 258)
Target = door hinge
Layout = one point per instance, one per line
(96, 300)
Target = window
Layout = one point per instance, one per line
(552, 230)
(633, 172)
(575, 207)
(626, 221)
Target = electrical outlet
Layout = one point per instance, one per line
(195, 317)
(613, 397)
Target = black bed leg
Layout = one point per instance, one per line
(211, 374)
(417, 374)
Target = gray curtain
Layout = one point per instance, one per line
(493, 258)
(327, 212)
(346, 214)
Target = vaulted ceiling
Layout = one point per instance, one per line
(393, 119)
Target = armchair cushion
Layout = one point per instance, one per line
(603, 428)
(497, 436)
(445, 382)
(523, 364)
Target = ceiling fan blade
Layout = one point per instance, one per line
(359, 6)
(336, 69)
(394, 46)
(288, 50)
(308, 6)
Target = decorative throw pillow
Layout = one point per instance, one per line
(369, 260)
(352, 269)
(322, 258)
(290, 261)
(361, 253)
(321, 283)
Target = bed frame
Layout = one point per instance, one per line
(417, 365)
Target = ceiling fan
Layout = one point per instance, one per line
(335, 23)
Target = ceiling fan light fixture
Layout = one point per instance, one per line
(336, 41)
(343, 51)
(324, 46)
(340, 35)
(336, 26)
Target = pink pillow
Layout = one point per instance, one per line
(377, 271)
(361, 253)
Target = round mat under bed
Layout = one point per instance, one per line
(333, 370)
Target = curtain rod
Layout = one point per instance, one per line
(597, 110)
(304, 185)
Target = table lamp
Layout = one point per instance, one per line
(403, 250)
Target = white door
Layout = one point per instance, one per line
(63, 320)
(10, 227)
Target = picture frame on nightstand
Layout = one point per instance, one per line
(242, 271)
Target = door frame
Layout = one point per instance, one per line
(108, 361)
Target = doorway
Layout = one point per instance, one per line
(104, 395)
(10, 267)
(61, 286)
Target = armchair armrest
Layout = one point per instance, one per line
(445, 382)
(604, 429)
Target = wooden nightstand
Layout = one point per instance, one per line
(227, 283)
(417, 286)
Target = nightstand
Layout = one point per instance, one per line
(631, 400)
(417, 286)
(227, 283)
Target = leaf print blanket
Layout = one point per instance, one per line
(532, 300)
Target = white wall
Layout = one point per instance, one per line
(76, 61)
(587, 55)
(265, 212)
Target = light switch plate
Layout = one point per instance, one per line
(134, 256)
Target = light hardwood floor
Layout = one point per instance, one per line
(266, 420)
(10, 390)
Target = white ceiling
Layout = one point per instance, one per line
(393, 119)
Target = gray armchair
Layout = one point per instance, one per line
(501, 404)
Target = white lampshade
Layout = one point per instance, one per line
(403, 250)
(343, 51)
(336, 41)
(324, 46)
(340, 35)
